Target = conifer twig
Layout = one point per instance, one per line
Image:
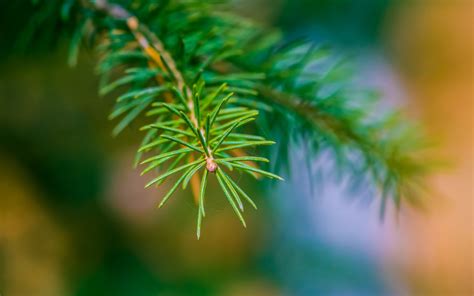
(201, 75)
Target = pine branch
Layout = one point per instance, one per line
(196, 118)
(202, 74)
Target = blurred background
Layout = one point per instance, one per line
(75, 219)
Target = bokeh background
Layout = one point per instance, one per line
(75, 219)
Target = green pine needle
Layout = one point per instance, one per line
(222, 183)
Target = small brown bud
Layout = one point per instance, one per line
(211, 165)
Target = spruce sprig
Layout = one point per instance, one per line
(200, 74)
(195, 123)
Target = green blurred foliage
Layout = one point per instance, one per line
(349, 23)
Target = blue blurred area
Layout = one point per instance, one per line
(325, 245)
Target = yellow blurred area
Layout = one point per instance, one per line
(433, 41)
(34, 247)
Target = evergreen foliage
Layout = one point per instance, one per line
(202, 76)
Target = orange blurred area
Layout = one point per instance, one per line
(432, 42)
